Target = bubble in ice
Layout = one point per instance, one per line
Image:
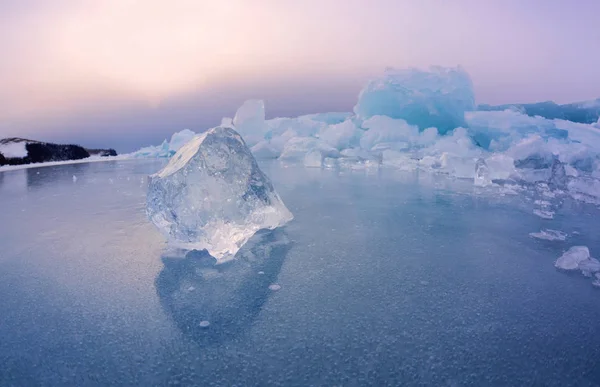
(204, 324)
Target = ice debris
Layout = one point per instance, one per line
(482, 174)
(549, 235)
(212, 195)
(571, 259)
(168, 148)
(425, 120)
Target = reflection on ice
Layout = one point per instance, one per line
(213, 303)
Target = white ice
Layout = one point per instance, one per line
(14, 149)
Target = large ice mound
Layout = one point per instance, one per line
(416, 120)
(435, 98)
(212, 195)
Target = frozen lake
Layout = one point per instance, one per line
(383, 278)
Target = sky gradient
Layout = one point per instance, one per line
(128, 73)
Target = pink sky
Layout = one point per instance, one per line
(135, 64)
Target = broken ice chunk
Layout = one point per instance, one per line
(571, 259)
(558, 176)
(482, 174)
(213, 196)
(589, 266)
(596, 282)
(549, 235)
(249, 121)
(313, 159)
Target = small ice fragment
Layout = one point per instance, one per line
(274, 287)
(74, 179)
(204, 324)
(590, 266)
(596, 282)
(482, 174)
(544, 214)
(549, 235)
(261, 273)
(191, 289)
(571, 258)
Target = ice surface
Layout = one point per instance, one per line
(212, 195)
(571, 259)
(88, 252)
(549, 235)
(435, 98)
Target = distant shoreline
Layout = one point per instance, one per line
(91, 159)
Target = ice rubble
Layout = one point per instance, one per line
(578, 258)
(549, 235)
(167, 149)
(212, 195)
(426, 120)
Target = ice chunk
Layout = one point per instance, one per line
(399, 160)
(558, 176)
(436, 98)
(544, 214)
(549, 235)
(571, 259)
(213, 196)
(249, 121)
(589, 266)
(264, 150)
(167, 148)
(482, 174)
(297, 148)
(499, 129)
(382, 129)
(179, 139)
(596, 282)
(314, 159)
(341, 136)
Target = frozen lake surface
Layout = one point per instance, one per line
(382, 278)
